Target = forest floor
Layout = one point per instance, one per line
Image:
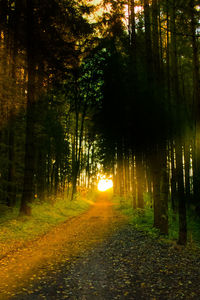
(100, 255)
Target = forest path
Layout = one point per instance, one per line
(31, 266)
(100, 256)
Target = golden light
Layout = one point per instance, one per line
(105, 184)
(138, 10)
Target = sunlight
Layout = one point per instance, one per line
(105, 184)
(138, 9)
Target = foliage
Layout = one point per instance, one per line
(45, 216)
(144, 220)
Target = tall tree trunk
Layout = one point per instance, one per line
(182, 240)
(140, 180)
(155, 39)
(88, 165)
(196, 95)
(156, 175)
(148, 40)
(49, 169)
(179, 139)
(78, 149)
(132, 25)
(126, 173)
(41, 175)
(29, 167)
(11, 191)
(173, 176)
(164, 191)
(56, 176)
(133, 181)
(11, 195)
(120, 167)
(187, 168)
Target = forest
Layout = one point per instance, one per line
(101, 87)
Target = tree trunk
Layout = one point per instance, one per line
(148, 42)
(182, 240)
(11, 195)
(41, 175)
(156, 175)
(11, 191)
(140, 180)
(179, 139)
(120, 168)
(164, 191)
(29, 167)
(133, 182)
(78, 148)
(187, 169)
(155, 39)
(173, 177)
(196, 81)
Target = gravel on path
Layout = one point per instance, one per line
(128, 265)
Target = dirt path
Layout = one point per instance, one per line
(100, 256)
(29, 266)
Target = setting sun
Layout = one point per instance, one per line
(105, 184)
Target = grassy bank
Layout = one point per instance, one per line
(16, 231)
(144, 221)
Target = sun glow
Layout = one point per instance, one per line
(105, 184)
(138, 9)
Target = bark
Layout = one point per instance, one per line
(88, 165)
(179, 139)
(170, 102)
(49, 169)
(133, 181)
(148, 40)
(156, 175)
(29, 167)
(164, 191)
(149, 183)
(120, 179)
(41, 175)
(182, 240)
(155, 39)
(196, 81)
(132, 25)
(77, 150)
(168, 62)
(140, 180)
(56, 177)
(173, 177)
(126, 173)
(187, 168)
(11, 191)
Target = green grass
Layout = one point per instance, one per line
(140, 219)
(15, 230)
(144, 220)
(193, 228)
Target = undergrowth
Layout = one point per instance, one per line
(143, 219)
(138, 218)
(16, 230)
